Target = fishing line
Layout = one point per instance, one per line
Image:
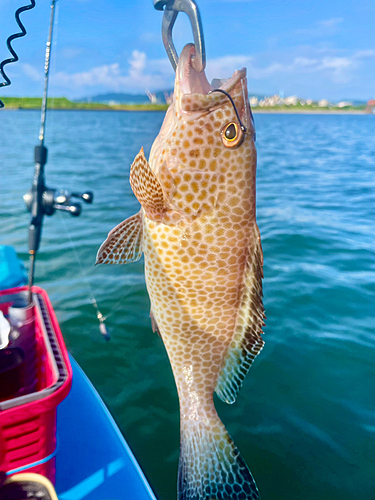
(99, 315)
(116, 307)
(93, 301)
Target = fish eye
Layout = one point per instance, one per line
(232, 135)
(230, 132)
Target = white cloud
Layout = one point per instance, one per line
(140, 74)
(137, 64)
(106, 75)
(330, 23)
(335, 63)
(365, 54)
(336, 68)
(224, 67)
(70, 52)
(305, 62)
(330, 65)
(325, 27)
(32, 72)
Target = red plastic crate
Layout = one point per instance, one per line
(28, 422)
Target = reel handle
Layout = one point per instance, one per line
(74, 209)
(87, 196)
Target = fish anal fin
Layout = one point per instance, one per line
(247, 341)
(124, 243)
(147, 188)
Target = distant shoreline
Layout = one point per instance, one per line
(255, 111)
(61, 103)
(317, 111)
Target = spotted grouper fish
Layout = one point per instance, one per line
(203, 265)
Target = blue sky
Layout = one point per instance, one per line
(313, 49)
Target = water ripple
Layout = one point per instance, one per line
(305, 418)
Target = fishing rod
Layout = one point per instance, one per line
(34, 199)
(41, 200)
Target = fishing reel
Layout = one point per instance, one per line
(59, 199)
(49, 199)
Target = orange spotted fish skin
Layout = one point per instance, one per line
(203, 267)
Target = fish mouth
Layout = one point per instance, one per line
(192, 82)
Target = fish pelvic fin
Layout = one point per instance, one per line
(124, 243)
(147, 188)
(211, 467)
(154, 324)
(247, 341)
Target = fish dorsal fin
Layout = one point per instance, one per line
(147, 188)
(124, 242)
(247, 341)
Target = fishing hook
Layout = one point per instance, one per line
(243, 128)
(9, 45)
(172, 8)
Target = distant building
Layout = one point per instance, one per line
(344, 104)
(293, 100)
(323, 103)
(370, 108)
(274, 100)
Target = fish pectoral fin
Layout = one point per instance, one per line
(124, 243)
(147, 188)
(154, 324)
(247, 341)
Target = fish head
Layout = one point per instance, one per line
(203, 128)
(204, 157)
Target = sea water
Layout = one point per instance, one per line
(305, 417)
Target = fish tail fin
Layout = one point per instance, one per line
(211, 467)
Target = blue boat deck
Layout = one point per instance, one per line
(93, 460)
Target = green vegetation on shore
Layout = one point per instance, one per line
(310, 107)
(64, 103)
